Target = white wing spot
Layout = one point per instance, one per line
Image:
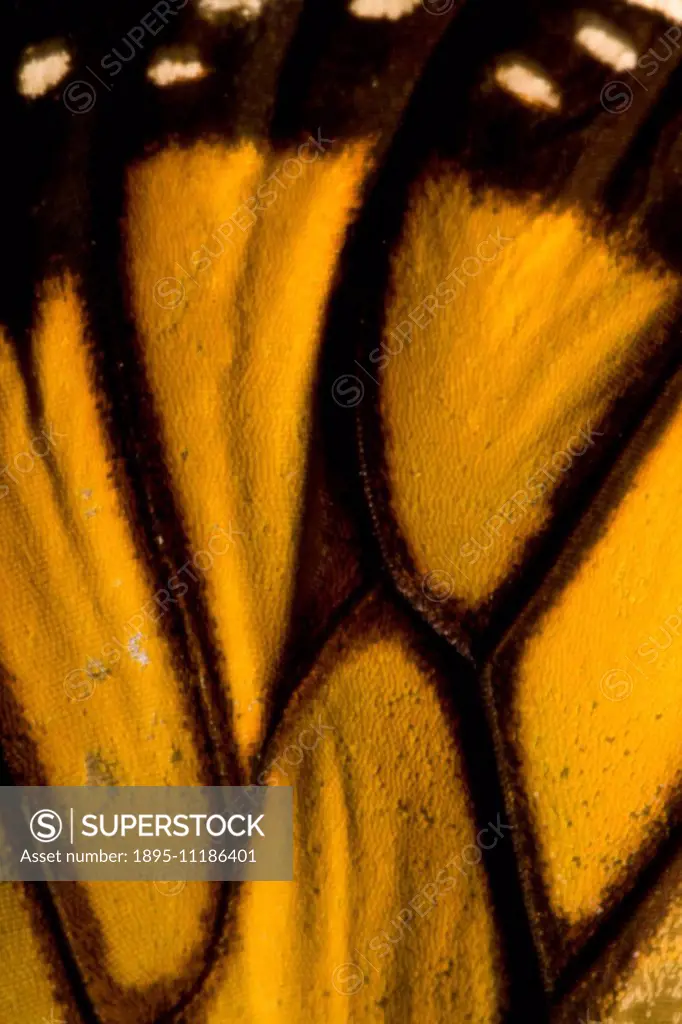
(529, 84)
(41, 69)
(391, 9)
(134, 646)
(669, 8)
(212, 10)
(171, 70)
(605, 43)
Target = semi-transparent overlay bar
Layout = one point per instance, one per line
(165, 834)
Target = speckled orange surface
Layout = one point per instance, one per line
(365, 484)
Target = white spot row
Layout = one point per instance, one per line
(391, 9)
(44, 67)
(394, 9)
(596, 36)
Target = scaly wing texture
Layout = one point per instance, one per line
(274, 232)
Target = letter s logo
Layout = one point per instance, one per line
(46, 826)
